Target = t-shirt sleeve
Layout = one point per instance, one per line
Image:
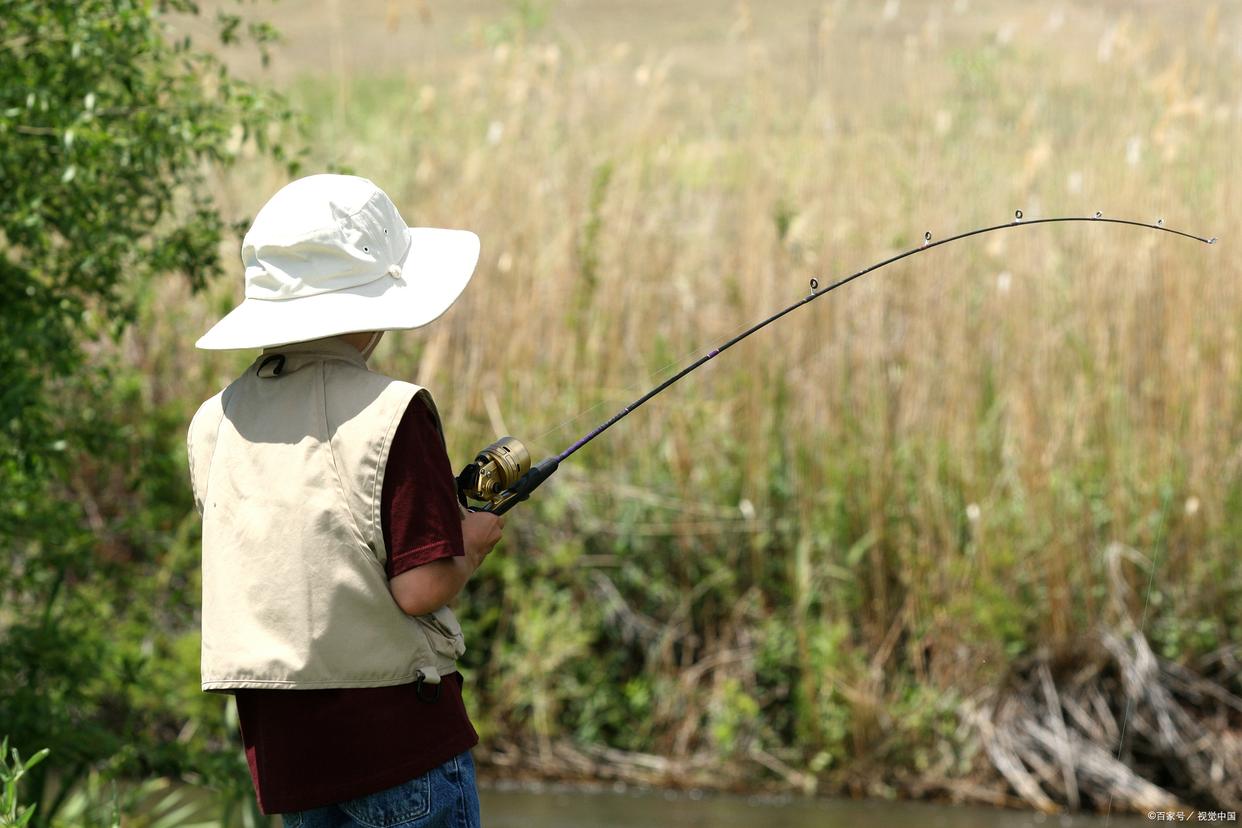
(419, 512)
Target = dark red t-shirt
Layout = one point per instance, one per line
(309, 748)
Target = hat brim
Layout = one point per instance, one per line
(437, 267)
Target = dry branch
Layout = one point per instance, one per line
(1121, 718)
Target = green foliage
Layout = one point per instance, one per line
(109, 124)
(548, 637)
(12, 813)
(783, 215)
(925, 732)
(589, 239)
(732, 718)
(152, 803)
(524, 19)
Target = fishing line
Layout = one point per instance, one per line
(501, 475)
(673, 362)
(817, 291)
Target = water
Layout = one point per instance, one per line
(556, 806)
(576, 809)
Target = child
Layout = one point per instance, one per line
(332, 536)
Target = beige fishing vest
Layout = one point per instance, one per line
(287, 465)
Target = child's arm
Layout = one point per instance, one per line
(424, 589)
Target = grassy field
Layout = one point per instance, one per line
(803, 559)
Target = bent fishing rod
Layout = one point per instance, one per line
(501, 475)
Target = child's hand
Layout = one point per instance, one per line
(424, 589)
(480, 531)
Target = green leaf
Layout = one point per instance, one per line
(37, 758)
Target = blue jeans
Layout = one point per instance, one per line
(443, 797)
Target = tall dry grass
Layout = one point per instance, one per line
(815, 544)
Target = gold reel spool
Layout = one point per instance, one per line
(500, 466)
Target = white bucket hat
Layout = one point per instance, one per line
(330, 254)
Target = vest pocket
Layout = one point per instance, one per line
(393, 807)
(443, 633)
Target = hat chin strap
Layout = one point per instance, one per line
(375, 338)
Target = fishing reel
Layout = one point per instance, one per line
(495, 468)
(501, 476)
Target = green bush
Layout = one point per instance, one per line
(109, 124)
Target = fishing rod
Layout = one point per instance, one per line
(501, 475)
